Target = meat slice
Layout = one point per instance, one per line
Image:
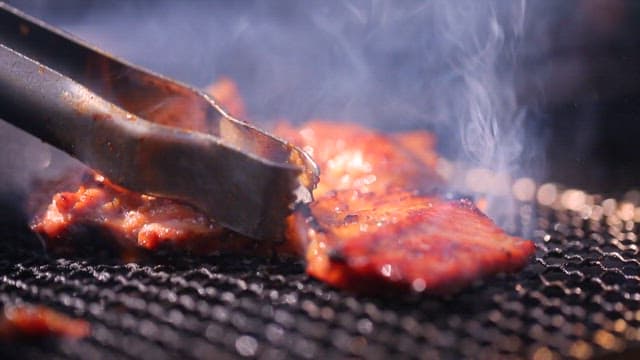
(373, 225)
(39, 321)
(136, 222)
(129, 218)
(372, 242)
(351, 156)
(376, 222)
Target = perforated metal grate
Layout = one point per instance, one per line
(579, 297)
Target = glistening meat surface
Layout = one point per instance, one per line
(39, 321)
(135, 222)
(86, 208)
(375, 223)
(372, 236)
(372, 242)
(351, 156)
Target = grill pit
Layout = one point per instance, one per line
(579, 297)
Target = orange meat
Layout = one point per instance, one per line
(369, 236)
(39, 321)
(373, 242)
(376, 222)
(136, 221)
(351, 156)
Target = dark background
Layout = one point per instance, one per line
(577, 70)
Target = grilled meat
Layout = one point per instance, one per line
(136, 222)
(369, 229)
(39, 321)
(132, 219)
(370, 242)
(351, 156)
(375, 223)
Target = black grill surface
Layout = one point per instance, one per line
(579, 297)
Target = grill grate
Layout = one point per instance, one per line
(580, 297)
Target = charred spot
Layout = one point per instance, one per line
(302, 209)
(337, 256)
(309, 219)
(350, 219)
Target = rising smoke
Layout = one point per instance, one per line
(484, 41)
(445, 65)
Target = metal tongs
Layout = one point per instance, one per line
(145, 132)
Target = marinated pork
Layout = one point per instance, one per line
(372, 242)
(351, 156)
(39, 321)
(376, 222)
(371, 226)
(136, 222)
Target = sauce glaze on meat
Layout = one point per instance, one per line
(39, 321)
(372, 236)
(375, 223)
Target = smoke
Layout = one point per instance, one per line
(478, 102)
(446, 65)
(483, 39)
